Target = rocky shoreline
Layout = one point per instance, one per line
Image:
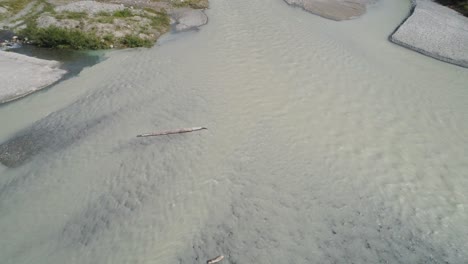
(435, 31)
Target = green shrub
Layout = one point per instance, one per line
(103, 13)
(108, 38)
(105, 19)
(191, 3)
(55, 37)
(132, 41)
(15, 5)
(160, 21)
(73, 15)
(123, 13)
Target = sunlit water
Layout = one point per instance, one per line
(325, 144)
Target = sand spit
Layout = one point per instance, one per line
(22, 75)
(333, 9)
(436, 31)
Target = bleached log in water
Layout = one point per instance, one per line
(170, 132)
(215, 260)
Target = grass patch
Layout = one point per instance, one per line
(160, 20)
(48, 7)
(198, 4)
(61, 38)
(109, 38)
(132, 41)
(103, 13)
(72, 15)
(105, 19)
(123, 13)
(54, 37)
(15, 5)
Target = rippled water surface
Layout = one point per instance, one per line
(325, 144)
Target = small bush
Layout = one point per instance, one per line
(76, 15)
(108, 38)
(72, 15)
(160, 20)
(132, 41)
(123, 13)
(192, 3)
(105, 19)
(103, 13)
(15, 5)
(55, 37)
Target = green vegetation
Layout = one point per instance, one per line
(15, 5)
(103, 13)
(191, 3)
(54, 37)
(97, 37)
(61, 38)
(48, 7)
(132, 41)
(72, 15)
(123, 13)
(160, 20)
(458, 5)
(32, 14)
(109, 38)
(105, 19)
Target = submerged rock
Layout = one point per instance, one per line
(187, 18)
(436, 31)
(22, 75)
(333, 9)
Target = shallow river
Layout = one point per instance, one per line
(325, 144)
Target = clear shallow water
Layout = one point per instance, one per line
(326, 144)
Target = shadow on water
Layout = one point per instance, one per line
(51, 132)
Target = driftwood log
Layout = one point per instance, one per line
(170, 132)
(215, 260)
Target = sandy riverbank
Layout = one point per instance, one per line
(22, 75)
